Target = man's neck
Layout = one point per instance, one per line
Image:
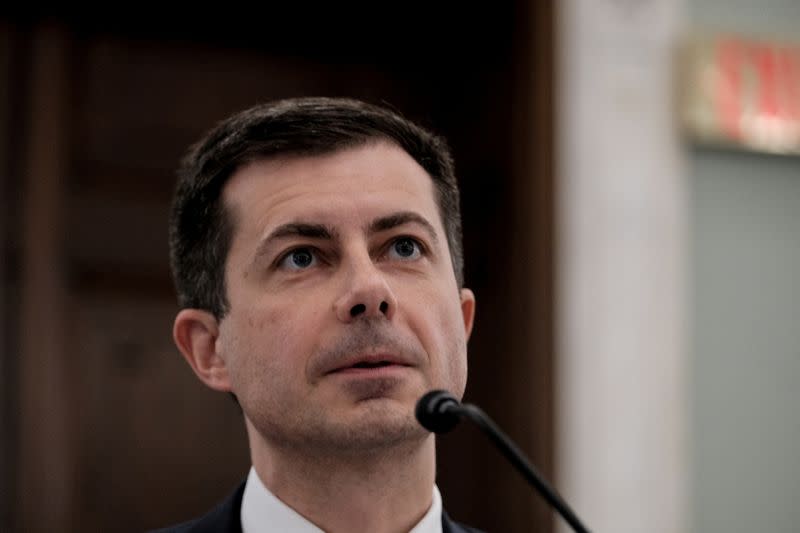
(383, 492)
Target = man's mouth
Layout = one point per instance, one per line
(378, 364)
(368, 365)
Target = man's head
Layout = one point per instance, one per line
(200, 225)
(316, 248)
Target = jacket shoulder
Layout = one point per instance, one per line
(222, 519)
(450, 526)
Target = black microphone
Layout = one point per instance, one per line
(438, 411)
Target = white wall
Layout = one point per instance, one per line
(745, 348)
(678, 400)
(621, 353)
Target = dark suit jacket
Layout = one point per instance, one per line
(225, 519)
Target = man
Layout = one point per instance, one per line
(316, 250)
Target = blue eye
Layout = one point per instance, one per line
(405, 248)
(299, 259)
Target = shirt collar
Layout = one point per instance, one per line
(263, 512)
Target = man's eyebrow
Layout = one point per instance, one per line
(295, 229)
(302, 229)
(403, 217)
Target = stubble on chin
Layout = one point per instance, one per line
(371, 426)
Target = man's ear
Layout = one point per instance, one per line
(468, 310)
(195, 333)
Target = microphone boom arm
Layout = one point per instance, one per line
(517, 458)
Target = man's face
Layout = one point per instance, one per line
(344, 308)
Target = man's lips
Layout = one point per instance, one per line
(369, 364)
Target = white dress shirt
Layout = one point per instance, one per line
(263, 512)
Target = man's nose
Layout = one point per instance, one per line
(366, 294)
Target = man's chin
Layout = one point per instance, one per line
(379, 423)
(394, 383)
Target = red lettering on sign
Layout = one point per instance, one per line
(728, 87)
(789, 66)
(765, 82)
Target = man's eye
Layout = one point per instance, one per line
(405, 248)
(299, 259)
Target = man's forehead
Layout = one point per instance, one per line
(381, 150)
(377, 178)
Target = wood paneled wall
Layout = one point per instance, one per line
(107, 428)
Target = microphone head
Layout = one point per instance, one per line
(437, 411)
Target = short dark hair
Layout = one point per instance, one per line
(201, 228)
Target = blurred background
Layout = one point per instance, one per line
(630, 174)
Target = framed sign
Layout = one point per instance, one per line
(741, 92)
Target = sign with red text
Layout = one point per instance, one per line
(742, 92)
